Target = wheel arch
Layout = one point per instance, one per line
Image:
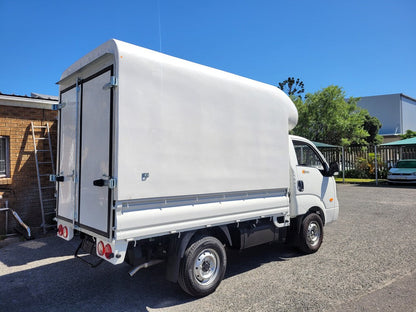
(178, 245)
(318, 211)
(296, 224)
(308, 204)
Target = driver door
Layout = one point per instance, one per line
(310, 171)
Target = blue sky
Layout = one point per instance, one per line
(366, 47)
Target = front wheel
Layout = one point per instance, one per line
(203, 266)
(311, 233)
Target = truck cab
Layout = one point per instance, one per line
(313, 182)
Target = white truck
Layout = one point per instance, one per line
(165, 160)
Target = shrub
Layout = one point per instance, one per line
(356, 174)
(366, 168)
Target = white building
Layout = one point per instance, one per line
(396, 112)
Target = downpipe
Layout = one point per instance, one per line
(18, 219)
(16, 216)
(145, 266)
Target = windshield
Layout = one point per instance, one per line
(406, 164)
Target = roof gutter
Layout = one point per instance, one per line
(408, 97)
(27, 102)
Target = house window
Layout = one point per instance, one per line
(4, 157)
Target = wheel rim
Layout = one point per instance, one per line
(206, 267)
(314, 234)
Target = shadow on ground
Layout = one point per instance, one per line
(71, 285)
(384, 185)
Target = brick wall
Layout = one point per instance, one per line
(21, 187)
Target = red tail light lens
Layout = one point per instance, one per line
(108, 251)
(65, 232)
(60, 230)
(100, 248)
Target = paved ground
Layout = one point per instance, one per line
(366, 263)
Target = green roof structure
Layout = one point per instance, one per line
(319, 144)
(411, 141)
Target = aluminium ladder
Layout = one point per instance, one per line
(44, 167)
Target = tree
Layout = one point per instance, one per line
(408, 134)
(372, 125)
(327, 116)
(292, 87)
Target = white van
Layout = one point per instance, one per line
(164, 160)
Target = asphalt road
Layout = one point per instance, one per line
(367, 262)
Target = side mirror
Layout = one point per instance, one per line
(333, 169)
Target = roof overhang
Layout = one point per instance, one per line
(26, 102)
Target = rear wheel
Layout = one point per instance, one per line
(311, 233)
(203, 266)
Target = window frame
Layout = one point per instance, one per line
(317, 154)
(6, 139)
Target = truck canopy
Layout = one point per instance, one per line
(176, 129)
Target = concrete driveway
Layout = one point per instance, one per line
(366, 263)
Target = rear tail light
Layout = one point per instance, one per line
(65, 232)
(108, 251)
(100, 248)
(105, 250)
(61, 230)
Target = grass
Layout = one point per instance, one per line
(354, 180)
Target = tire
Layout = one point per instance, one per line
(202, 266)
(311, 234)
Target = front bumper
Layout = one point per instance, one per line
(401, 178)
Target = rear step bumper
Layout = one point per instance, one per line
(88, 246)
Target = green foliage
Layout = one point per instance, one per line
(366, 168)
(361, 174)
(327, 116)
(292, 86)
(408, 134)
(372, 125)
(355, 174)
(362, 164)
(372, 163)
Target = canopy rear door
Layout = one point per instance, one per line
(85, 158)
(95, 154)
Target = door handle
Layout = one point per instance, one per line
(301, 186)
(100, 182)
(56, 178)
(111, 183)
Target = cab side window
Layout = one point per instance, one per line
(306, 156)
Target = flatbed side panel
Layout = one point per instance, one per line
(146, 219)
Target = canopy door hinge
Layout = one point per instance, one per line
(113, 83)
(58, 106)
(112, 183)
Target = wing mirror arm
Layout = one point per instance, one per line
(333, 169)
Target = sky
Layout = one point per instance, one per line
(365, 47)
